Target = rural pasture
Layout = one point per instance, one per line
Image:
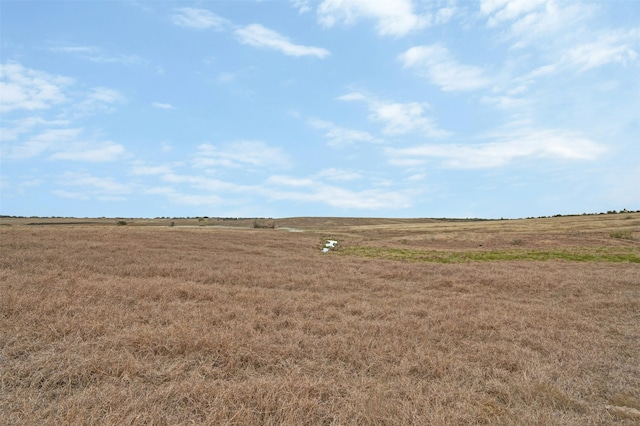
(425, 322)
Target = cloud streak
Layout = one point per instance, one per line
(199, 19)
(255, 35)
(393, 17)
(540, 144)
(398, 118)
(242, 153)
(162, 105)
(258, 36)
(65, 144)
(313, 190)
(436, 64)
(340, 136)
(98, 55)
(27, 89)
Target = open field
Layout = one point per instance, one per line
(426, 322)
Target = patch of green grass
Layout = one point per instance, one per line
(586, 255)
(624, 235)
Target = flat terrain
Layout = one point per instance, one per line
(423, 321)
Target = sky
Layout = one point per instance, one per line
(377, 108)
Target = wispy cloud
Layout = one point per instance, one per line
(502, 10)
(142, 169)
(27, 125)
(98, 55)
(199, 19)
(98, 99)
(65, 144)
(609, 48)
(526, 23)
(255, 35)
(203, 183)
(502, 150)
(436, 63)
(258, 36)
(393, 17)
(339, 136)
(314, 190)
(398, 118)
(326, 187)
(108, 151)
(241, 153)
(181, 198)
(162, 105)
(33, 146)
(27, 89)
(340, 175)
(82, 185)
(303, 6)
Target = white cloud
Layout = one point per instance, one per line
(552, 144)
(311, 190)
(436, 64)
(508, 103)
(289, 181)
(74, 49)
(199, 19)
(241, 154)
(303, 6)
(69, 194)
(444, 14)
(401, 118)
(254, 35)
(98, 99)
(337, 136)
(36, 145)
(108, 151)
(334, 174)
(101, 188)
(258, 36)
(104, 95)
(140, 169)
(183, 198)
(529, 21)
(201, 190)
(65, 144)
(394, 17)
(354, 96)
(398, 118)
(503, 10)
(204, 183)
(610, 47)
(26, 125)
(95, 54)
(162, 105)
(24, 88)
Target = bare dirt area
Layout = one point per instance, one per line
(176, 325)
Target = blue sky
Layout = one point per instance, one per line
(385, 108)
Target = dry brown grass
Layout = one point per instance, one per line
(159, 325)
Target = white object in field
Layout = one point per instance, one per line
(329, 245)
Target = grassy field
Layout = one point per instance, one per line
(429, 322)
